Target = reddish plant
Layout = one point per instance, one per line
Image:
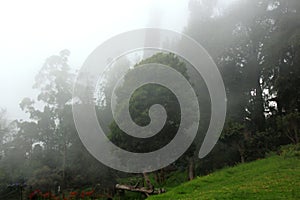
(46, 195)
(82, 194)
(35, 194)
(73, 195)
(89, 193)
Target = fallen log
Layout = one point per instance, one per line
(145, 190)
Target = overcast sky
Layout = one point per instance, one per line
(32, 30)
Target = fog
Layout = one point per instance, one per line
(32, 30)
(109, 119)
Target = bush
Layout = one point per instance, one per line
(289, 151)
(44, 179)
(270, 154)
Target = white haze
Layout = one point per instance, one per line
(32, 30)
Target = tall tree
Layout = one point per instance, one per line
(54, 124)
(142, 99)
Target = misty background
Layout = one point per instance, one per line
(33, 30)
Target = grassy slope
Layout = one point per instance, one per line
(271, 178)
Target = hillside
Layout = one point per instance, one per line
(273, 178)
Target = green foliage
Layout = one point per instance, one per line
(289, 125)
(290, 151)
(45, 179)
(174, 179)
(235, 134)
(233, 131)
(142, 99)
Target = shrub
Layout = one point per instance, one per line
(289, 151)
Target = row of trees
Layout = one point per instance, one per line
(256, 46)
(45, 151)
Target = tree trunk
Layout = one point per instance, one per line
(295, 128)
(242, 159)
(145, 190)
(259, 117)
(160, 176)
(64, 166)
(191, 169)
(242, 154)
(147, 181)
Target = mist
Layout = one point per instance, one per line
(133, 99)
(34, 31)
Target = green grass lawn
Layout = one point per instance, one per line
(272, 178)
